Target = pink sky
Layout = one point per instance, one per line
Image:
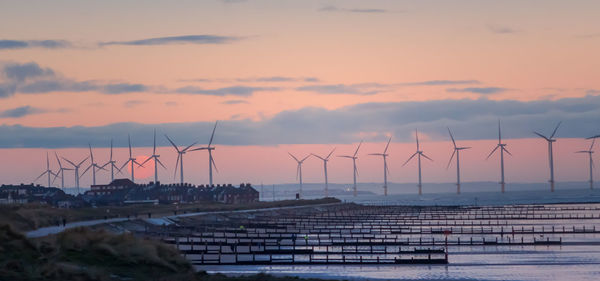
(335, 56)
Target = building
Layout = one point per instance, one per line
(29, 193)
(124, 191)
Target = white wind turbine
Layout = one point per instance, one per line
(179, 161)
(325, 160)
(61, 172)
(211, 160)
(355, 170)
(131, 160)
(386, 171)
(503, 149)
(47, 172)
(589, 152)
(76, 168)
(299, 170)
(156, 160)
(112, 164)
(94, 166)
(550, 140)
(418, 153)
(457, 152)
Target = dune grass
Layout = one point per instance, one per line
(85, 254)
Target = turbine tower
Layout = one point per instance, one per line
(503, 149)
(179, 160)
(156, 161)
(355, 170)
(93, 165)
(131, 160)
(550, 140)
(386, 171)
(76, 168)
(299, 170)
(47, 171)
(112, 164)
(589, 152)
(211, 160)
(457, 152)
(61, 172)
(418, 153)
(325, 160)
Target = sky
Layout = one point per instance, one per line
(300, 77)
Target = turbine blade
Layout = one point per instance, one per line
(58, 160)
(83, 161)
(555, 129)
(54, 179)
(154, 150)
(124, 164)
(329, 155)
(159, 162)
(176, 165)
(417, 137)
(119, 170)
(294, 157)
(214, 164)
(506, 150)
(318, 156)
(86, 170)
(101, 168)
(172, 143)
(40, 176)
(129, 139)
(490, 155)
(423, 154)
(582, 151)
(345, 156)
(541, 136)
(452, 137)
(358, 148)
(147, 159)
(91, 154)
(387, 145)
(111, 150)
(68, 161)
(189, 146)
(411, 157)
(213, 134)
(450, 161)
(305, 158)
(592, 145)
(499, 133)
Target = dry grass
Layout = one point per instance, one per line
(84, 254)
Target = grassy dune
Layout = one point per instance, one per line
(32, 216)
(84, 254)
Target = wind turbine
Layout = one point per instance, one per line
(130, 160)
(76, 168)
(299, 170)
(112, 163)
(550, 140)
(211, 161)
(418, 153)
(47, 171)
(61, 171)
(589, 152)
(386, 171)
(179, 160)
(156, 161)
(503, 149)
(93, 165)
(457, 152)
(325, 160)
(355, 171)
